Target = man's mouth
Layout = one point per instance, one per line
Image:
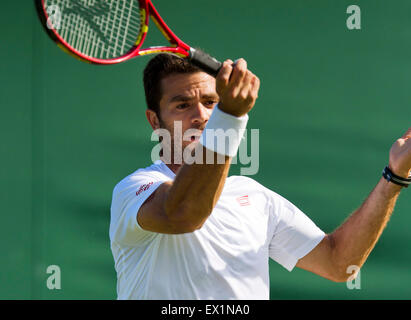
(193, 135)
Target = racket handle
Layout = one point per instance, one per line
(204, 61)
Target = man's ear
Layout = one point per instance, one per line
(153, 119)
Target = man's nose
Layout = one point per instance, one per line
(200, 113)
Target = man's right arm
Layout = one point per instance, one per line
(183, 205)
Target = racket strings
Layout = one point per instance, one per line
(111, 45)
(102, 29)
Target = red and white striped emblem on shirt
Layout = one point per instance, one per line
(243, 201)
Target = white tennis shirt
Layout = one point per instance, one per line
(226, 259)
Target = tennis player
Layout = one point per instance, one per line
(181, 231)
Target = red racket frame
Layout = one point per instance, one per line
(147, 10)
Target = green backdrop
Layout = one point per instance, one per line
(332, 101)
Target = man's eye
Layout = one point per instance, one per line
(182, 106)
(210, 102)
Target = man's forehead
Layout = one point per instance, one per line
(187, 85)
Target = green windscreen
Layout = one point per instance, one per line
(332, 102)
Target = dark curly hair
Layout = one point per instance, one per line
(159, 67)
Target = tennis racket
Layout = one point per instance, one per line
(112, 31)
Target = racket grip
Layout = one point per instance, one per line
(205, 62)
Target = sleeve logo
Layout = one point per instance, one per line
(244, 200)
(143, 187)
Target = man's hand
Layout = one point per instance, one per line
(400, 156)
(237, 88)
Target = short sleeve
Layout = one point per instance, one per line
(128, 196)
(295, 235)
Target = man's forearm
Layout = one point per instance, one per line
(196, 189)
(353, 241)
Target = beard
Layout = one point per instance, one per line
(178, 143)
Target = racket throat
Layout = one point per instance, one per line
(204, 61)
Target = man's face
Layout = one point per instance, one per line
(189, 99)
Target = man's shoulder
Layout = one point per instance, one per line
(154, 172)
(245, 183)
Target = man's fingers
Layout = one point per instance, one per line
(246, 86)
(255, 87)
(237, 87)
(224, 74)
(406, 142)
(239, 72)
(407, 134)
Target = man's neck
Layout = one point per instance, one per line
(174, 167)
